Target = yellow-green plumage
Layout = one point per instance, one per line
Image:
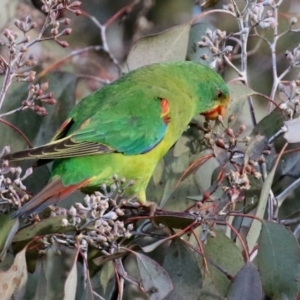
(126, 128)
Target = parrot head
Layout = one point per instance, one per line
(210, 91)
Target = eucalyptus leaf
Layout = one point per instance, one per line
(155, 279)
(169, 45)
(13, 281)
(246, 284)
(182, 266)
(278, 261)
(225, 254)
(46, 226)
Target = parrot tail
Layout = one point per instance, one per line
(53, 192)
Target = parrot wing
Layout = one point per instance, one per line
(133, 124)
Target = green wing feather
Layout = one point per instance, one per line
(134, 127)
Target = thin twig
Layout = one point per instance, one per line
(66, 58)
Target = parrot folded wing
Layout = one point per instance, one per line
(135, 128)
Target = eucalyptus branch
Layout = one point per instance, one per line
(102, 29)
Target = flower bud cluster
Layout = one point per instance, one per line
(36, 93)
(289, 92)
(232, 148)
(258, 17)
(215, 41)
(293, 57)
(98, 217)
(12, 190)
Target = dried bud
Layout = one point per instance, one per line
(242, 128)
(261, 160)
(78, 12)
(19, 24)
(28, 19)
(64, 223)
(281, 87)
(220, 143)
(54, 32)
(131, 182)
(289, 56)
(227, 49)
(229, 7)
(230, 132)
(119, 212)
(257, 175)
(33, 25)
(50, 101)
(204, 57)
(75, 4)
(63, 44)
(110, 216)
(60, 6)
(23, 49)
(221, 34)
(202, 44)
(66, 21)
(55, 25)
(266, 152)
(214, 50)
(72, 211)
(66, 31)
(230, 119)
(293, 21)
(42, 111)
(6, 32)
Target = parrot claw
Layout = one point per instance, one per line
(152, 206)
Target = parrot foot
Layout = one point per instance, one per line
(152, 206)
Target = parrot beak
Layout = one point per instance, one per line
(218, 109)
(215, 112)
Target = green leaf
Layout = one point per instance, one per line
(238, 97)
(46, 226)
(278, 261)
(155, 279)
(225, 254)
(58, 263)
(106, 275)
(175, 220)
(253, 233)
(169, 45)
(8, 227)
(246, 284)
(37, 285)
(209, 290)
(269, 125)
(71, 281)
(182, 266)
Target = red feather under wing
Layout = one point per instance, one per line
(53, 192)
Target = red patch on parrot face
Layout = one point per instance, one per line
(214, 112)
(165, 109)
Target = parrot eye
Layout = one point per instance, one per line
(220, 94)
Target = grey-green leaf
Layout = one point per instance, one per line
(182, 265)
(246, 284)
(278, 261)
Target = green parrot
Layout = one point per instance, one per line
(125, 128)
